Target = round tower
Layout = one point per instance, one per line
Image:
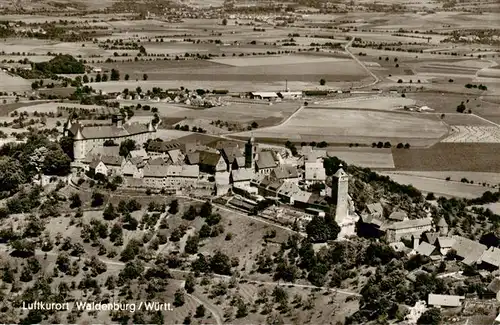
(79, 146)
(442, 227)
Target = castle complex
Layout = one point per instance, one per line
(86, 138)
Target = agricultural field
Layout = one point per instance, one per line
(13, 83)
(479, 178)
(354, 126)
(469, 157)
(365, 157)
(473, 134)
(383, 103)
(438, 186)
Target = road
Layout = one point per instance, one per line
(374, 76)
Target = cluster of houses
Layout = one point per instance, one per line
(178, 96)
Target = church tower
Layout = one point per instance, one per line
(250, 153)
(342, 210)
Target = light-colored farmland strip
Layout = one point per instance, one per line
(473, 134)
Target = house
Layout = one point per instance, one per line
(445, 244)
(468, 250)
(170, 176)
(98, 167)
(209, 162)
(241, 177)
(133, 167)
(398, 215)
(428, 250)
(444, 300)
(114, 164)
(233, 156)
(407, 228)
(265, 162)
(290, 94)
(138, 153)
(314, 173)
(291, 193)
(222, 185)
(430, 237)
(490, 259)
(494, 287)
(286, 173)
(267, 95)
(375, 209)
(371, 225)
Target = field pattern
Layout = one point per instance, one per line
(474, 134)
(364, 157)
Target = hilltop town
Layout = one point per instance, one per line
(247, 162)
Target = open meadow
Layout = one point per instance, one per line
(364, 156)
(354, 126)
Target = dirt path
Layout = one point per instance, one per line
(374, 76)
(209, 306)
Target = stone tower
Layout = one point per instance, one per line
(342, 211)
(79, 146)
(250, 153)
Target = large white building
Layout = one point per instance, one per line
(86, 138)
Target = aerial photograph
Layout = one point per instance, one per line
(250, 162)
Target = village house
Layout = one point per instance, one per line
(133, 167)
(490, 259)
(266, 95)
(375, 209)
(428, 250)
(170, 176)
(285, 173)
(233, 156)
(469, 251)
(444, 244)
(265, 162)
(408, 228)
(241, 177)
(98, 167)
(141, 153)
(314, 173)
(208, 161)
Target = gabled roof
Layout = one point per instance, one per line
(315, 171)
(491, 256)
(112, 160)
(398, 215)
(285, 172)
(468, 249)
(445, 300)
(94, 163)
(265, 160)
(373, 220)
(425, 249)
(445, 242)
(340, 172)
(240, 175)
(171, 171)
(375, 208)
(163, 146)
(209, 158)
(410, 224)
(138, 153)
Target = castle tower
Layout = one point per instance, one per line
(342, 211)
(79, 146)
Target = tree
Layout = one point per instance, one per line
(110, 213)
(56, 162)
(179, 299)
(220, 263)
(322, 82)
(97, 199)
(205, 231)
(145, 77)
(174, 207)
(75, 201)
(200, 311)
(104, 77)
(192, 245)
(190, 283)
(115, 75)
(461, 108)
(224, 22)
(319, 230)
(66, 144)
(85, 79)
(127, 146)
(431, 316)
(127, 77)
(98, 78)
(11, 174)
(206, 209)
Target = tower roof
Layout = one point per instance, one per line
(340, 172)
(78, 135)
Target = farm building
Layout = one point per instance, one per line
(408, 228)
(290, 94)
(267, 95)
(444, 300)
